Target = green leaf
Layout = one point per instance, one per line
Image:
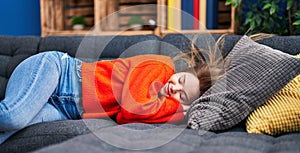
(272, 10)
(252, 25)
(297, 13)
(247, 21)
(78, 20)
(290, 4)
(249, 14)
(266, 6)
(228, 2)
(296, 23)
(234, 4)
(258, 20)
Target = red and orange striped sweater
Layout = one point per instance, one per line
(127, 89)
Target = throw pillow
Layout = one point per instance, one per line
(254, 72)
(280, 114)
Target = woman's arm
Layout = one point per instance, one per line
(140, 101)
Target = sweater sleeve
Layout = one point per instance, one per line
(140, 101)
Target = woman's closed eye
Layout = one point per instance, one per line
(181, 80)
(183, 96)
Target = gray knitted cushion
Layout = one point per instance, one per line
(254, 72)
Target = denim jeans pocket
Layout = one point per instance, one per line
(66, 105)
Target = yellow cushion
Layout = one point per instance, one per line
(280, 114)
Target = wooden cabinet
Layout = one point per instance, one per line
(111, 17)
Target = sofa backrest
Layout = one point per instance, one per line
(102, 47)
(13, 50)
(182, 42)
(287, 44)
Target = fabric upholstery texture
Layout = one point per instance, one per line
(191, 141)
(13, 50)
(47, 133)
(174, 43)
(280, 114)
(93, 48)
(254, 72)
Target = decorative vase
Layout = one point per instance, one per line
(78, 27)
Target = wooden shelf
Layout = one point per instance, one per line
(56, 14)
(89, 32)
(212, 31)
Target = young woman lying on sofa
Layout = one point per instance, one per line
(53, 86)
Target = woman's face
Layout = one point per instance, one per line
(182, 86)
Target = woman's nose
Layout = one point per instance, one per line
(176, 88)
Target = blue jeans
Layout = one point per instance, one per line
(44, 87)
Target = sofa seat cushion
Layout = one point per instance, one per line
(47, 133)
(187, 141)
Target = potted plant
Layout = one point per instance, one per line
(78, 22)
(135, 22)
(281, 17)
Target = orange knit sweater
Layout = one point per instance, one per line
(127, 89)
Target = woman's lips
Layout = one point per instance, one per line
(167, 89)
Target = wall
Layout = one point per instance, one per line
(20, 17)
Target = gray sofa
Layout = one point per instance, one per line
(91, 135)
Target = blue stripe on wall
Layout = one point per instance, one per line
(20, 17)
